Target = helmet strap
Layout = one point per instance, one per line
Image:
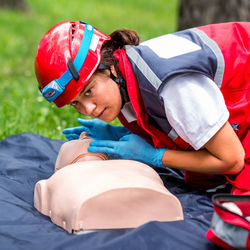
(120, 81)
(73, 70)
(123, 87)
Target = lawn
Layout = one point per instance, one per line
(22, 108)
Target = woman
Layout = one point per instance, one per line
(185, 96)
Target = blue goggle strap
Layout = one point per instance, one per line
(57, 86)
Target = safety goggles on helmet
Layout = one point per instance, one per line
(56, 87)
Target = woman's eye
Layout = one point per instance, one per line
(88, 92)
(74, 103)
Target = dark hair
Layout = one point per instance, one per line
(119, 39)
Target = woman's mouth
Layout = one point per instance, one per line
(102, 114)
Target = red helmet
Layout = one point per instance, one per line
(66, 58)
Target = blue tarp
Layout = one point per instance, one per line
(27, 158)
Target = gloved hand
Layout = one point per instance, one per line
(96, 129)
(131, 147)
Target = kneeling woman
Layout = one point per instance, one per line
(185, 96)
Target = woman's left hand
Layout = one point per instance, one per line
(131, 147)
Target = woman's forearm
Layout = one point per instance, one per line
(223, 154)
(197, 161)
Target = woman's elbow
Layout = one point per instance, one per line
(235, 164)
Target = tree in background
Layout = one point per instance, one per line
(193, 13)
(14, 4)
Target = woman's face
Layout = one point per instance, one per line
(100, 98)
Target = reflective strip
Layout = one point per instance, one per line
(84, 47)
(172, 134)
(128, 112)
(142, 66)
(178, 44)
(233, 235)
(80, 57)
(218, 78)
(149, 74)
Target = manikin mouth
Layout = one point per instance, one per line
(77, 151)
(90, 156)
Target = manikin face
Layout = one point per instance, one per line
(100, 98)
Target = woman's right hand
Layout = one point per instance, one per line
(97, 130)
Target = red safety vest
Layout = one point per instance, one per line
(235, 84)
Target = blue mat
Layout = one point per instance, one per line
(27, 158)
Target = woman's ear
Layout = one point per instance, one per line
(113, 71)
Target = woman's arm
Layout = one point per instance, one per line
(223, 154)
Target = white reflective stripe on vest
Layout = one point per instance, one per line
(218, 78)
(179, 46)
(172, 134)
(143, 66)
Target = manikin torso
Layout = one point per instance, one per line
(89, 192)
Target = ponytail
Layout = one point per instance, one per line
(119, 39)
(122, 37)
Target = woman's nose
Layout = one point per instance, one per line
(88, 108)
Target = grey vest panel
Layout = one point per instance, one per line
(153, 71)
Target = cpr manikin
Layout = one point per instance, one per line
(89, 192)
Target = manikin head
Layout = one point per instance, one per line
(77, 151)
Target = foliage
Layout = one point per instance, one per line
(22, 108)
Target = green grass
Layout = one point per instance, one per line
(22, 108)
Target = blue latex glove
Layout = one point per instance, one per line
(96, 129)
(131, 147)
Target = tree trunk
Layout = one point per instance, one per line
(193, 13)
(14, 4)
